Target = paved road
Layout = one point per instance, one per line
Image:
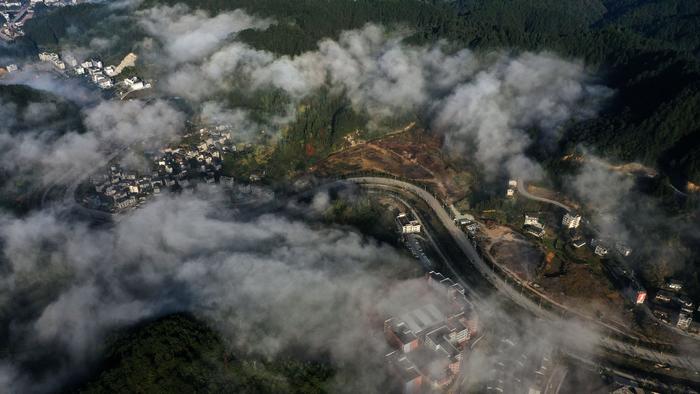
(556, 379)
(611, 344)
(522, 190)
(69, 204)
(454, 273)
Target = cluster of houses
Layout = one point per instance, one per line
(464, 220)
(10, 68)
(602, 248)
(17, 12)
(53, 58)
(429, 341)
(672, 301)
(571, 222)
(119, 189)
(173, 168)
(100, 75)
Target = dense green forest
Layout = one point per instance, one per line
(79, 26)
(23, 108)
(646, 50)
(59, 115)
(181, 354)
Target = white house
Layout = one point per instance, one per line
(48, 56)
(106, 84)
(533, 221)
(684, 321)
(59, 64)
(571, 221)
(408, 226)
(600, 250)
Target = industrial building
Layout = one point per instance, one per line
(430, 340)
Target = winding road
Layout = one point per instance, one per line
(672, 327)
(522, 190)
(628, 348)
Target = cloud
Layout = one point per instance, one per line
(134, 121)
(191, 35)
(622, 210)
(48, 155)
(232, 64)
(491, 111)
(482, 102)
(302, 283)
(265, 281)
(100, 44)
(213, 112)
(305, 282)
(39, 77)
(607, 192)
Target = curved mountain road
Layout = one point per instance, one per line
(522, 190)
(691, 363)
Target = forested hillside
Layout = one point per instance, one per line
(95, 26)
(674, 22)
(57, 114)
(181, 354)
(24, 109)
(650, 61)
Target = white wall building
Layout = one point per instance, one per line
(684, 321)
(407, 225)
(600, 250)
(571, 221)
(106, 84)
(48, 56)
(533, 221)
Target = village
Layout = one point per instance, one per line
(17, 12)
(172, 168)
(434, 339)
(670, 304)
(100, 75)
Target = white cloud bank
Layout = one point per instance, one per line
(481, 102)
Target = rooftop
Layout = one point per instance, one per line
(422, 318)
